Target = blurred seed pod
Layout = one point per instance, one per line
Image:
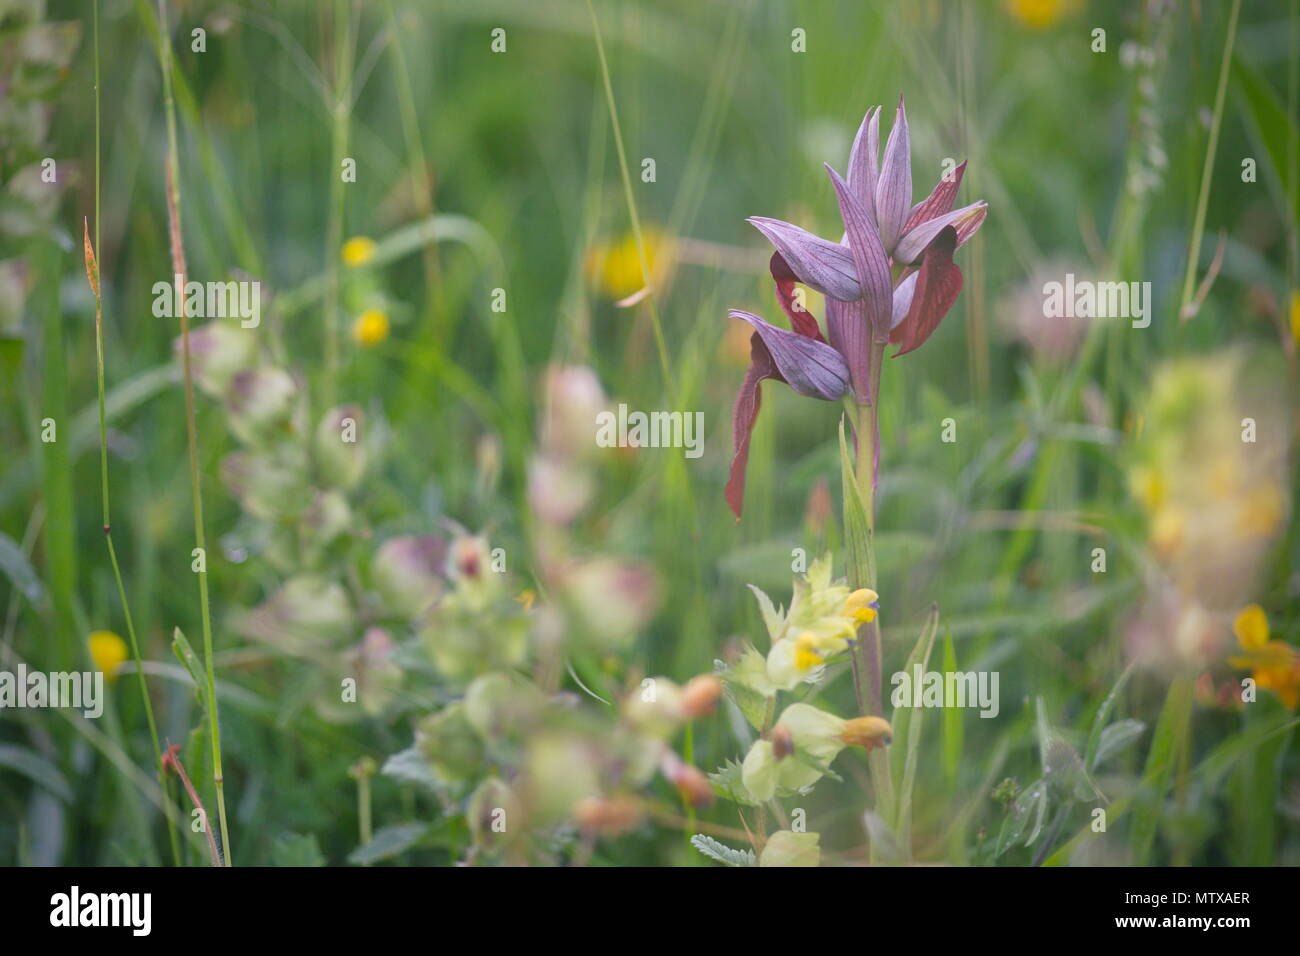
(261, 404)
(339, 451)
(218, 352)
(407, 573)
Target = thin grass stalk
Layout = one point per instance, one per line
(424, 200)
(180, 272)
(341, 113)
(1203, 200)
(660, 345)
(92, 263)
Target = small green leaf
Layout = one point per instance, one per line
(18, 569)
(1166, 742)
(32, 765)
(728, 784)
(190, 661)
(1116, 737)
(389, 842)
(297, 849)
(1103, 714)
(723, 853)
(411, 766)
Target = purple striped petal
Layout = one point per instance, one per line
(743, 418)
(903, 299)
(864, 162)
(855, 328)
(914, 243)
(809, 367)
(939, 201)
(894, 187)
(825, 266)
(969, 226)
(938, 283)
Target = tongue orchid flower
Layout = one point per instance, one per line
(891, 278)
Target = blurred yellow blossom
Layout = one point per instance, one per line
(1040, 14)
(108, 651)
(358, 251)
(370, 328)
(615, 268)
(1210, 472)
(1274, 665)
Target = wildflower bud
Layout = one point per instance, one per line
(787, 848)
(700, 697)
(607, 816)
(782, 742)
(260, 403)
(218, 352)
(494, 812)
(691, 782)
(558, 490)
(501, 706)
(339, 449)
(867, 732)
(819, 509)
(378, 675)
(406, 572)
(328, 517)
(655, 707)
(573, 398)
(307, 615)
(269, 484)
(450, 744)
(614, 599)
(468, 558)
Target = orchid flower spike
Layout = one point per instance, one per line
(891, 278)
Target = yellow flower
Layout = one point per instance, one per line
(1262, 511)
(370, 328)
(805, 652)
(108, 651)
(1251, 627)
(1167, 530)
(1039, 14)
(616, 268)
(358, 251)
(861, 605)
(1148, 487)
(1274, 665)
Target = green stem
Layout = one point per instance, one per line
(103, 478)
(660, 345)
(191, 430)
(868, 645)
(342, 110)
(1198, 228)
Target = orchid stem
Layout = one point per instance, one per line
(868, 646)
